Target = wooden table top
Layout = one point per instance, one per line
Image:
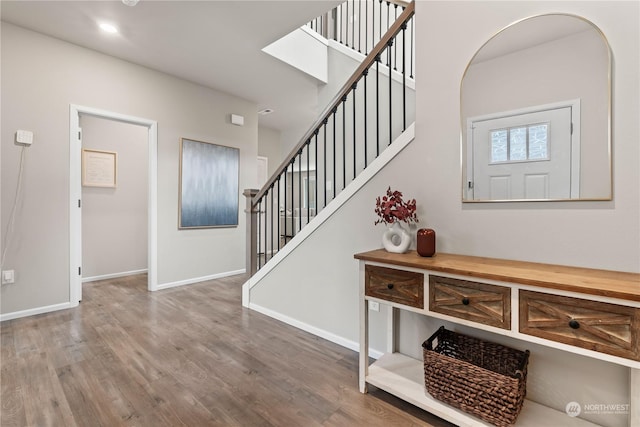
(607, 283)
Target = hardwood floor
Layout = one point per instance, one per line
(188, 356)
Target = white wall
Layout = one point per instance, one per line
(41, 77)
(341, 67)
(567, 232)
(317, 284)
(270, 146)
(343, 62)
(303, 49)
(114, 220)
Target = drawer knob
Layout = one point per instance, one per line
(390, 286)
(465, 301)
(574, 324)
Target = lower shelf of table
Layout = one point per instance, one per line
(403, 377)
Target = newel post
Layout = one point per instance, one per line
(251, 259)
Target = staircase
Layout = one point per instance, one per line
(365, 125)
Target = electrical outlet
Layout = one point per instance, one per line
(374, 306)
(8, 276)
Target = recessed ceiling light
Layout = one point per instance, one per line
(265, 111)
(108, 28)
(130, 2)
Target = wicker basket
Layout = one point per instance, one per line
(482, 378)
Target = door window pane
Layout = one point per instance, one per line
(538, 147)
(499, 145)
(518, 144)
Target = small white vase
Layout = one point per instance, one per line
(396, 239)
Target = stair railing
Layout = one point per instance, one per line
(360, 24)
(359, 123)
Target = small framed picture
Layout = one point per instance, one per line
(99, 168)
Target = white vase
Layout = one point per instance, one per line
(396, 239)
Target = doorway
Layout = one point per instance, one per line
(75, 212)
(114, 198)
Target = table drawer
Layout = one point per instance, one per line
(477, 302)
(603, 327)
(399, 286)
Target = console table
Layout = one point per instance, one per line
(595, 313)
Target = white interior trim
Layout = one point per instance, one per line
(315, 34)
(199, 279)
(37, 310)
(75, 194)
(352, 345)
(113, 275)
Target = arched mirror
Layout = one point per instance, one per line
(536, 113)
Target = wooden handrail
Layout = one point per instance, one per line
(346, 88)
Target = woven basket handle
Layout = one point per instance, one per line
(520, 372)
(428, 344)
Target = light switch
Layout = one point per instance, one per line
(8, 276)
(24, 137)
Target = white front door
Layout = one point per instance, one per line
(524, 156)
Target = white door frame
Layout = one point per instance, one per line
(75, 195)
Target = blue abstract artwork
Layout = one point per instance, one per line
(209, 187)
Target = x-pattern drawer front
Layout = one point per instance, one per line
(464, 299)
(399, 286)
(603, 327)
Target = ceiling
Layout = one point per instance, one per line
(531, 32)
(214, 43)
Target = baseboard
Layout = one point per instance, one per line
(199, 279)
(66, 305)
(329, 336)
(34, 311)
(245, 293)
(113, 275)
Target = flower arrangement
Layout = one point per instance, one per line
(391, 208)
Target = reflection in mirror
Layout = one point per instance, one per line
(535, 113)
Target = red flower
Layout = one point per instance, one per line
(392, 208)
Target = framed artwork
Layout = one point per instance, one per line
(209, 185)
(99, 168)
